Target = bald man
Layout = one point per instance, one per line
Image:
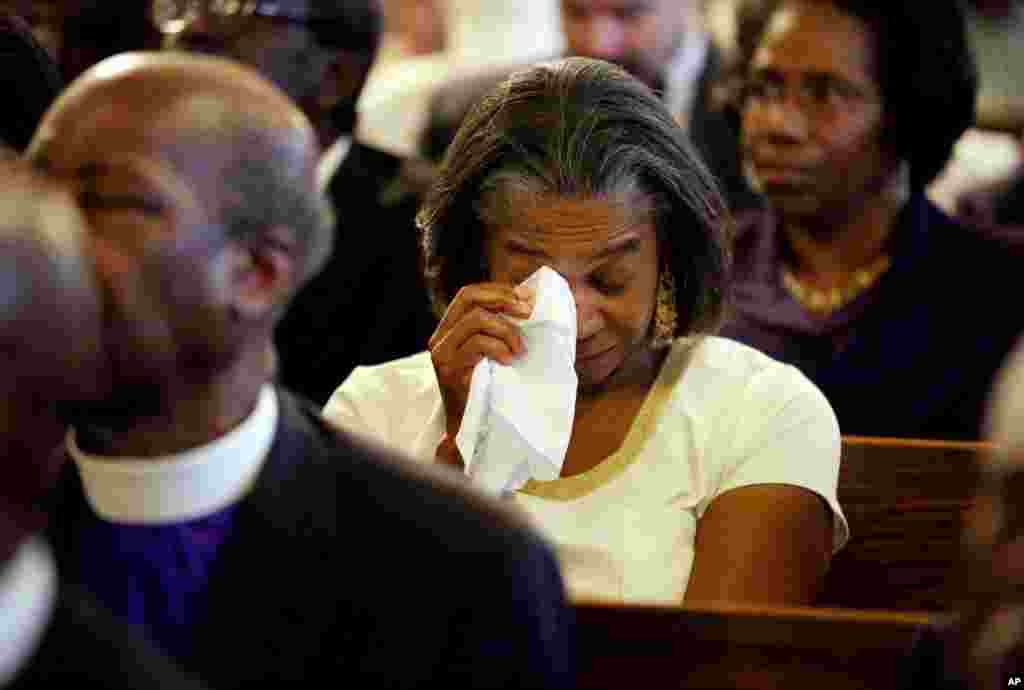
(212, 510)
(50, 632)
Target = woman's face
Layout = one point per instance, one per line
(812, 120)
(608, 253)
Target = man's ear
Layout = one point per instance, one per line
(264, 273)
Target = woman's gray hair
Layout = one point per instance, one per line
(579, 128)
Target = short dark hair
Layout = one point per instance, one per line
(31, 78)
(927, 74)
(351, 25)
(580, 127)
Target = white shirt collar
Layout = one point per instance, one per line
(28, 595)
(682, 77)
(331, 160)
(184, 486)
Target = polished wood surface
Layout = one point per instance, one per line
(904, 500)
(740, 646)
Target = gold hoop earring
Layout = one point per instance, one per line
(666, 316)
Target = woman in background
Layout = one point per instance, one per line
(851, 108)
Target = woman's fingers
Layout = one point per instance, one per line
(493, 297)
(474, 327)
(503, 338)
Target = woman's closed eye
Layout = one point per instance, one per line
(608, 285)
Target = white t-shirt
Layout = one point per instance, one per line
(720, 415)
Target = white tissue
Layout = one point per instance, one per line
(518, 418)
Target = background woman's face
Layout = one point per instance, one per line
(812, 120)
(608, 253)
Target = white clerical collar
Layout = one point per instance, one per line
(331, 160)
(28, 596)
(682, 77)
(184, 486)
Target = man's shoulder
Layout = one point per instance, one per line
(395, 491)
(362, 165)
(955, 245)
(420, 566)
(85, 645)
(372, 176)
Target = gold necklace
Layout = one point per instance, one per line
(827, 301)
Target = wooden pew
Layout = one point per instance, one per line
(904, 500)
(736, 646)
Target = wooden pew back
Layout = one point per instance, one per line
(736, 646)
(905, 501)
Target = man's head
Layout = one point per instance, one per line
(319, 52)
(50, 335)
(641, 36)
(196, 178)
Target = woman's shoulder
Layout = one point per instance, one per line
(730, 361)
(734, 374)
(407, 379)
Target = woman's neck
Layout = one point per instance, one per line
(826, 251)
(638, 372)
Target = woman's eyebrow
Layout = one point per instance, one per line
(628, 245)
(519, 247)
(621, 247)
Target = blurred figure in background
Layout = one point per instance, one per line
(410, 60)
(369, 304)
(982, 647)
(79, 33)
(984, 181)
(994, 199)
(477, 34)
(851, 108)
(999, 206)
(411, 27)
(52, 633)
(91, 31)
(44, 19)
(661, 42)
(30, 76)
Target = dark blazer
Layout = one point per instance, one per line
(354, 566)
(83, 647)
(369, 304)
(714, 132)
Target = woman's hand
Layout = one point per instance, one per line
(473, 328)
